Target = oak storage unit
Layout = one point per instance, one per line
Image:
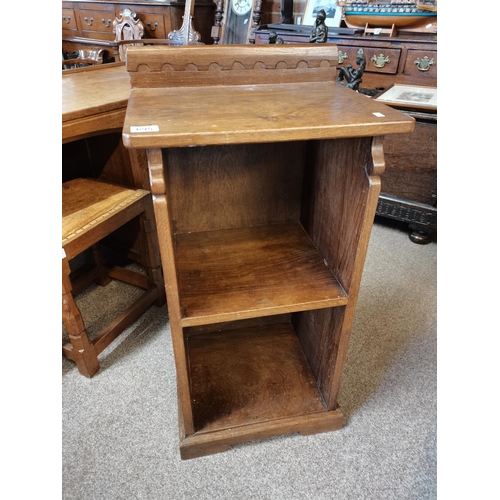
(265, 179)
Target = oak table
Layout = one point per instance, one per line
(265, 179)
(94, 102)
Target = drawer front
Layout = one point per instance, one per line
(377, 60)
(421, 63)
(154, 26)
(69, 20)
(261, 39)
(97, 20)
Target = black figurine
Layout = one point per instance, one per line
(353, 77)
(274, 38)
(319, 32)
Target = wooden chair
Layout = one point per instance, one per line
(92, 210)
(83, 57)
(127, 27)
(128, 30)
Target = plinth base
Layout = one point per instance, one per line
(216, 442)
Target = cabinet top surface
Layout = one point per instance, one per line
(98, 89)
(235, 114)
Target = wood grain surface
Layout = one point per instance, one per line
(98, 89)
(234, 186)
(245, 376)
(201, 444)
(187, 116)
(88, 205)
(412, 164)
(338, 215)
(94, 100)
(197, 66)
(255, 271)
(197, 95)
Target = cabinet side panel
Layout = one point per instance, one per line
(339, 206)
(335, 196)
(223, 187)
(161, 204)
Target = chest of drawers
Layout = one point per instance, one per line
(402, 59)
(89, 23)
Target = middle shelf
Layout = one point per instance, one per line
(238, 273)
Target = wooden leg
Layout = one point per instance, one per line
(151, 250)
(188, 452)
(83, 351)
(420, 234)
(149, 238)
(102, 273)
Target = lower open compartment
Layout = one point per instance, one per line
(251, 381)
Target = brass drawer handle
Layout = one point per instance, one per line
(87, 21)
(423, 64)
(380, 61)
(152, 29)
(67, 19)
(108, 24)
(342, 57)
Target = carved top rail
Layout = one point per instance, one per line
(188, 66)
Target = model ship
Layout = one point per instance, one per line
(386, 13)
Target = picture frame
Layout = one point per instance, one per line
(333, 12)
(410, 96)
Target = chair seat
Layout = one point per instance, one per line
(92, 210)
(88, 204)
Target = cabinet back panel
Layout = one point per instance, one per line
(234, 186)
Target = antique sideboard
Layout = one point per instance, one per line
(89, 23)
(409, 192)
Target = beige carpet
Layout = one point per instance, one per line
(120, 434)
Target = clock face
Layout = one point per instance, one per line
(241, 7)
(237, 22)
